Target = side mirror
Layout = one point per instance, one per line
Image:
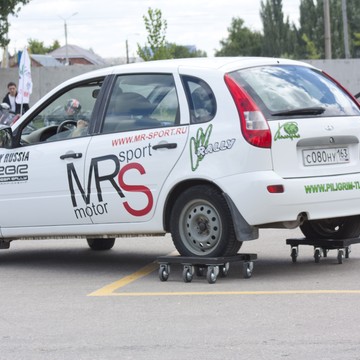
(6, 137)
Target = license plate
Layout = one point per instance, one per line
(326, 156)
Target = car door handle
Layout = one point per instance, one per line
(165, 146)
(71, 155)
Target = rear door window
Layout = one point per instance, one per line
(142, 101)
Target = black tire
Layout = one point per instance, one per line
(340, 256)
(187, 275)
(164, 272)
(101, 244)
(337, 228)
(211, 276)
(201, 224)
(317, 255)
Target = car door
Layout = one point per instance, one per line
(141, 140)
(34, 177)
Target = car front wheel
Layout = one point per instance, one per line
(100, 244)
(201, 223)
(337, 228)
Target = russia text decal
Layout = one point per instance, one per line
(200, 146)
(115, 178)
(13, 167)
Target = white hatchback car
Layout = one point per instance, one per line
(209, 150)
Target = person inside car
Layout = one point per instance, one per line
(74, 124)
(72, 110)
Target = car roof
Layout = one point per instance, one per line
(222, 64)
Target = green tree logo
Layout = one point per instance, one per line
(289, 130)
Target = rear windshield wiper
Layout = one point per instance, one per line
(303, 111)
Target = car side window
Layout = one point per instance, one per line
(141, 101)
(66, 116)
(201, 99)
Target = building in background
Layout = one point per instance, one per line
(77, 55)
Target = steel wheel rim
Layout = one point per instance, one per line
(200, 227)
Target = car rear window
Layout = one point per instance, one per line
(290, 90)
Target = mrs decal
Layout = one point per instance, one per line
(91, 207)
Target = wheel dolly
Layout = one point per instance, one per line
(214, 266)
(322, 246)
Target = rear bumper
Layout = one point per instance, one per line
(318, 197)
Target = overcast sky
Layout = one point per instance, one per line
(104, 26)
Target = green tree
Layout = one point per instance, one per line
(38, 47)
(353, 14)
(311, 50)
(181, 52)
(156, 47)
(311, 30)
(241, 41)
(274, 28)
(8, 7)
(312, 27)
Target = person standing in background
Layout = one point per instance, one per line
(10, 99)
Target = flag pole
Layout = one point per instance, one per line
(25, 82)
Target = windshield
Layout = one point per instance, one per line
(295, 91)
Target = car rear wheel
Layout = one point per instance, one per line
(337, 228)
(201, 224)
(101, 244)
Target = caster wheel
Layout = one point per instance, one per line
(211, 274)
(347, 252)
(294, 254)
(164, 272)
(187, 274)
(224, 270)
(247, 269)
(317, 255)
(340, 256)
(325, 251)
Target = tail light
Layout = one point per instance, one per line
(254, 126)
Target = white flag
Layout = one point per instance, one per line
(25, 83)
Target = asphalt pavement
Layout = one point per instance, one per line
(60, 300)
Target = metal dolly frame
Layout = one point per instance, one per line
(322, 246)
(214, 266)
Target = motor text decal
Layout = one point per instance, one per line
(94, 207)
